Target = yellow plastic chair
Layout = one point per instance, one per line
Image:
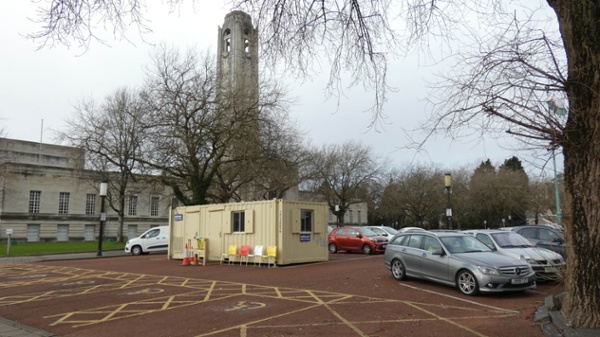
(257, 253)
(271, 254)
(230, 255)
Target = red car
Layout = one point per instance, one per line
(356, 239)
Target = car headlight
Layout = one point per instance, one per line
(488, 270)
(527, 259)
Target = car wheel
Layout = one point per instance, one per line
(366, 249)
(398, 271)
(136, 250)
(332, 248)
(467, 284)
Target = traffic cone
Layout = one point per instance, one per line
(195, 260)
(186, 259)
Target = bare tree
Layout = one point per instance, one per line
(415, 195)
(282, 158)
(342, 174)
(205, 145)
(111, 135)
(185, 143)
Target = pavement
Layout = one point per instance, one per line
(548, 316)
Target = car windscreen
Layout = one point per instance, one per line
(464, 244)
(390, 230)
(511, 240)
(366, 232)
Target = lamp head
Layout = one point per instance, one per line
(103, 188)
(447, 180)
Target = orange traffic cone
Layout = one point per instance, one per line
(195, 260)
(186, 259)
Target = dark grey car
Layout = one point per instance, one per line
(543, 236)
(458, 260)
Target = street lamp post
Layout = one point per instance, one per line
(484, 224)
(448, 186)
(103, 188)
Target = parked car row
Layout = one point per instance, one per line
(456, 259)
(368, 239)
(474, 261)
(359, 239)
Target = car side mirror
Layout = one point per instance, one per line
(439, 252)
(559, 240)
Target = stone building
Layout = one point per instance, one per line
(47, 195)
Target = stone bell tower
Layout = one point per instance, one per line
(237, 97)
(237, 63)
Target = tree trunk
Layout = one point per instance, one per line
(581, 148)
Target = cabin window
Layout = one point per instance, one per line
(238, 221)
(306, 220)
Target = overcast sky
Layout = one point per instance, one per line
(38, 88)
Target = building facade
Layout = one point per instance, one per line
(46, 195)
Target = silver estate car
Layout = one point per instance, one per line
(456, 259)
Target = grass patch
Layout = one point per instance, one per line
(40, 248)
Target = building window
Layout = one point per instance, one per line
(34, 201)
(238, 220)
(351, 216)
(90, 204)
(246, 45)
(306, 221)
(154, 206)
(359, 218)
(227, 39)
(63, 203)
(132, 205)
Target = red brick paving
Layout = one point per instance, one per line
(351, 295)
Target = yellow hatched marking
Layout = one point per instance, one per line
(205, 291)
(447, 320)
(244, 326)
(136, 308)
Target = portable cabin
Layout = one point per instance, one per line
(297, 228)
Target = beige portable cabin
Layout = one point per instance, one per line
(297, 228)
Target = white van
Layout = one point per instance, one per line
(155, 239)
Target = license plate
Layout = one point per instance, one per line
(551, 270)
(519, 280)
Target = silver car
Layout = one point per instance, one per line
(546, 264)
(458, 260)
(386, 231)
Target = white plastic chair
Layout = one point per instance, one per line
(257, 252)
